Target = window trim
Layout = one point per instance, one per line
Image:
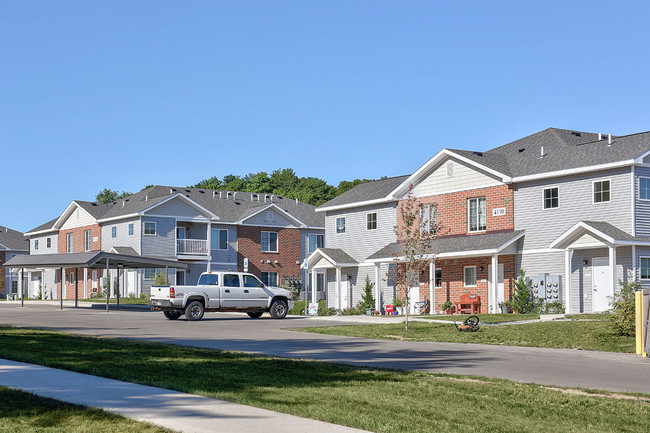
(435, 278)
(544, 198)
(218, 243)
(593, 191)
(88, 240)
(131, 229)
(309, 235)
(641, 268)
(336, 225)
(155, 228)
(48, 243)
(469, 228)
(368, 221)
(69, 239)
(35, 244)
(639, 187)
(475, 276)
(277, 246)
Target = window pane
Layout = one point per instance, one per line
(644, 188)
(371, 220)
(438, 281)
(273, 241)
(470, 276)
(230, 280)
(251, 281)
(482, 214)
(265, 241)
(473, 223)
(340, 225)
(645, 267)
(223, 239)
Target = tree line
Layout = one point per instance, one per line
(284, 182)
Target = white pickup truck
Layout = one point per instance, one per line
(221, 291)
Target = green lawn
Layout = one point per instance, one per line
(127, 300)
(25, 412)
(370, 399)
(484, 318)
(585, 335)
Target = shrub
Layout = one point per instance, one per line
(623, 308)
(541, 306)
(521, 297)
(367, 301)
(447, 305)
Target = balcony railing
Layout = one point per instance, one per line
(192, 246)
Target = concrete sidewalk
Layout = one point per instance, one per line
(170, 409)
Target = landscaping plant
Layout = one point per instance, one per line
(623, 309)
(367, 301)
(521, 301)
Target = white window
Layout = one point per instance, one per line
(315, 242)
(340, 225)
(601, 191)
(149, 273)
(476, 210)
(470, 276)
(69, 246)
(48, 242)
(36, 244)
(87, 239)
(270, 242)
(150, 228)
(428, 218)
(551, 198)
(270, 278)
(114, 232)
(644, 188)
(371, 221)
(645, 268)
(219, 240)
(131, 229)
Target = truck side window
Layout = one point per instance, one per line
(251, 281)
(230, 280)
(209, 280)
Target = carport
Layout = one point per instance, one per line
(99, 260)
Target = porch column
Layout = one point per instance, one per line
(312, 282)
(567, 279)
(107, 282)
(377, 288)
(338, 288)
(432, 285)
(494, 297)
(22, 287)
(76, 288)
(85, 283)
(612, 267)
(209, 246)
(62, 284)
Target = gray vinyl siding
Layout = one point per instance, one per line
(642, 207)
(304, 243)
(42, 244)
(575, 203)
(357, 283)
(123, 239)
(229, 255)
(278, 220)
(551, 262)
(163, 244)
(357, 241)
(177, 208)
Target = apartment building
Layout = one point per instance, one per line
(12, 243)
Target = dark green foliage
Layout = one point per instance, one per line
(623, 308)
(521, 297)
(367, 301)
(109, 196)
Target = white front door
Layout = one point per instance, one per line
(501, 296)
(343, 291)
(130, 282)
(602, 284)
(414, 296)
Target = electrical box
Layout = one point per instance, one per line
(547, 287)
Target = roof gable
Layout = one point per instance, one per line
(180, 207)
(74, 216)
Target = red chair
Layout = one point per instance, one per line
(390, 310)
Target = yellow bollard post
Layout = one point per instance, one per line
(638, 310)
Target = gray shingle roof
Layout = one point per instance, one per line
(47, 226)
(127, 251)
(376, 189)
(455, 244)
(338, 255)
(12, 240)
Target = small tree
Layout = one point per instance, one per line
(521, 297)
(623, 307)
(160, 279)
(368, 301)
(415, 231)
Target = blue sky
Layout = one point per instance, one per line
(121, 94)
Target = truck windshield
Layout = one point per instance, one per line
(209, 280)
(251, 281)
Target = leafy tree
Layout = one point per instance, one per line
(346, 185)
(260, 183)
(623, 307)
(415, 235)
(367, 301)
(160, 279)
(284, 182)
(521, 301)
(109, 196)
(212, 183)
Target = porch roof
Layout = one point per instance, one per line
(91, 259)
(602, 231)
(335, 256)
(457, 246)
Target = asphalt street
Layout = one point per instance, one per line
(559, 367)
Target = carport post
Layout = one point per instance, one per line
(166, 274)
(108, 287)
(76, 288)
(118, 288)
(22, 287)
(62, 279)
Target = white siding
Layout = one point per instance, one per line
(42, 244)
(464, 177)
(357, 241)
(123, 239)
(79, 218)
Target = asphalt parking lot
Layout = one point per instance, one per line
(232, 331)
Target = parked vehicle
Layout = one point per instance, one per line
(221, 291)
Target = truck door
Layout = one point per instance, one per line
(254, 293)
(209, 284)
(232, 294)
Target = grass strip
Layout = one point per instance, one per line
(583, 335)
(370, 399)
(484, 318)
(25, 412)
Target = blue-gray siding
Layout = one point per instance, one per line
(163, 244)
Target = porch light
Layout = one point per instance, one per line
(585, 262)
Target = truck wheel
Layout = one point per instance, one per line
(172, 315)
(194, 311)
(255, 314)
(279, 309)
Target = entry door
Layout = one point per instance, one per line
(130, 282)
(36, 286)
(501, 296)
(602, 284)
(414, 295)
(344, 291)
(180, 278)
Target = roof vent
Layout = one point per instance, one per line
(478, 153)
(297, 203)
(541, 152)
(609, 139)
(123, 203)
(146, 197)
(600, 136)
(577, 134)
(234, 195)
(522, 149)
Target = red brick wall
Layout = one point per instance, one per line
(78, 239)
(70, 284)
(452, 209)
(249, 244)
(453, 280)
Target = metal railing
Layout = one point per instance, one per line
(192, 246)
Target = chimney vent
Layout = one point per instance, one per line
(609, 139)
(541, 152)
(600, 136)
(146, 197)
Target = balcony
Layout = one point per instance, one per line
(192, 247)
